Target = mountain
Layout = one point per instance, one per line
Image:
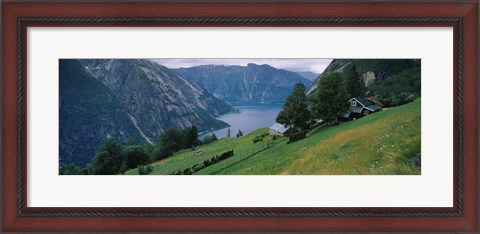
(244, 84)
(89, 113)
(127, 99)
(371, 70)
(308, 75)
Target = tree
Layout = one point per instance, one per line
(170, 142)
(103, 164)
(132, 142)
(228, 132)
(295, 111)
(70, 169)
(209, 139)
(149, 148)
(107, 160)
(355, 86)
(239, 133)
(331, 98)
(190, 137)
(135, 156)
(213, 137)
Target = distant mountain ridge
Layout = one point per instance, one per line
(127, 99)
(308, 75)
(244, 84)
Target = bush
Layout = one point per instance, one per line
(257, 139)
(70, 169)
(145, 170)
(297, 136)
(103, 164)
(123, 169)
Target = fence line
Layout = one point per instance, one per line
(241, 157)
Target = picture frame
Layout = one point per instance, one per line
(18, 16)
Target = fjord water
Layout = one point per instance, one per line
(250, 118)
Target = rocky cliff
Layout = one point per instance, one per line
(370, 70)
(127, 99)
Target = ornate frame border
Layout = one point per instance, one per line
(463, 16)
(23, 211)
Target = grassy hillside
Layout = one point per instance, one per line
(383, 143)
(243, 147)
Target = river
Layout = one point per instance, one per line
(251, 117)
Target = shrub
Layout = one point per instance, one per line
(123, 169)
(70, 169)
(297, 136)
(145, 170)
(257, 138)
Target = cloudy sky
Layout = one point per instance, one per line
(296, 65)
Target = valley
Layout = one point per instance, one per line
(138, 117)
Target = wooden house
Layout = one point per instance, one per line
(360, 107)
(281, 130)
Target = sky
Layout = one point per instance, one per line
(291, 64)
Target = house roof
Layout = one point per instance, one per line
(355, 109)
(365, 102)
(373, 108)
(279, 128)
(375, 100)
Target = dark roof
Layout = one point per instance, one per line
(355, 109)
(373, 108)
(364, 101)
(375, 100)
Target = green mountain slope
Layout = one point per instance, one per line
(370, 70)
(383, 143)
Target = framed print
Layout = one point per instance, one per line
(216, 116)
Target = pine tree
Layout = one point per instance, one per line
(190, 136)
(239, 133)
(295, 111)
(355, 86)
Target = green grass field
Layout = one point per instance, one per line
(383, 143)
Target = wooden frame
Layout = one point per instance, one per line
(462, 16)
